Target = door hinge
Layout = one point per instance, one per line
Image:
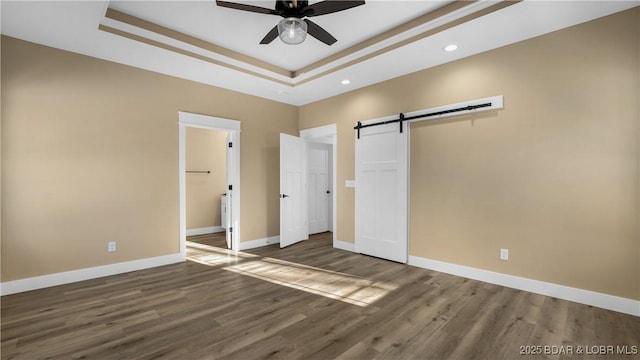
(230, 145)
(230, 187)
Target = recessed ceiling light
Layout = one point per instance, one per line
(451, 47)
(345, 82)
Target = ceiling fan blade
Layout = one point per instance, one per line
(251, 8)
(271, 35)
(328, 7)
(319, 33)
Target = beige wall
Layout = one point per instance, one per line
(90, 155)
(205, 151)
(553, 177)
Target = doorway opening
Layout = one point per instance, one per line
(321, 178)
(319, 189)
(206, 185)
(230, 224)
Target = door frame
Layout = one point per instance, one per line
(186, 119)
(327, 132)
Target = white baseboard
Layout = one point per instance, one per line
(605, 301)
(206, 230)
(343, 245)
(246, 245)
(39, 282)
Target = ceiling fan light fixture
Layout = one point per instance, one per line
(292, 30)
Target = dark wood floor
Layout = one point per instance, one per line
(308, 301)
(217, 239)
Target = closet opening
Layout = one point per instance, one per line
(209, 180)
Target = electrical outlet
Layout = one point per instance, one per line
(504, 254)
(111, 247)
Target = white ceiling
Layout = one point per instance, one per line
(73, 26)
(242, 31)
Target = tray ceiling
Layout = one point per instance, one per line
(200, 41)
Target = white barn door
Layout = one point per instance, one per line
(381, 192)
(293, 191)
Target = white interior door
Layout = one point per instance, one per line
(381, 192)
(229, 197)
(319, 187)
(293, 205)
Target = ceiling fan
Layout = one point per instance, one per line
(293, 28)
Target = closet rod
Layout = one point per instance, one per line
(401, 118)
(198, 171)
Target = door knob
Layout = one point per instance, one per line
(328, 192)
(284, 196)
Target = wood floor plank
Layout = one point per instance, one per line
(358, 351)
(518, 327)
(486, 326)
(273, 348)
(307, 301)
(430, 340)
(551, 323)
(399, 314)
(257, 330)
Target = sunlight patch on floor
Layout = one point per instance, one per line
(212, 256)
(334, 285)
